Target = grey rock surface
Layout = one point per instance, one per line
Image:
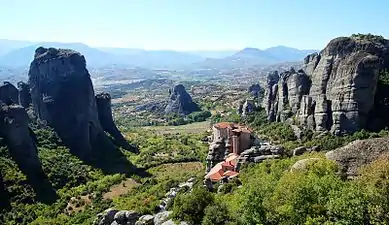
(248, 107)
(161, 217)
(303, 163)
(14, 129)
(336, 88)
(62, 94)
(180, 102)
(103, 103)
(126, 217)
(145, 220)
(24, 95)
(8, 93)
(356, 154)
(106, 217)
(299, 151)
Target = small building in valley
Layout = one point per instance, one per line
(228, 141)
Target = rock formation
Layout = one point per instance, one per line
(14, 128)
(8, 93)
(62, 94)
(103, 102)
(255, 90)
(180, 102)
(336, 88)
(353, 156)
(21, 144)
(24, 95)
(248, 107)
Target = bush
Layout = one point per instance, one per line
(191, 207)
(216, 214)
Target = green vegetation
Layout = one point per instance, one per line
(73, 178)
(272, 194)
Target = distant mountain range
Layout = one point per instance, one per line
(20, 54)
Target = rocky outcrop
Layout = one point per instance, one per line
(103, 102)
(257, 154)
(216, 153)
(255, 90)
(248, 107)
(24, 95)
(63, 96)
(303, 164)
(180, 102)
(336, 88)
(8, 93)
(270, 99)
(353, 156)
(14, 129)
(21, 144)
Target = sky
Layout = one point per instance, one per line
(192, 24)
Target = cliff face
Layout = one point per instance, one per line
(8, 93)
(180, 102)
(62, 94)
(103, 101)
(24, 94)
(335, 90)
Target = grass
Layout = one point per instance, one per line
(120, 189)
(183, 129)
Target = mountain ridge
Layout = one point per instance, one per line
(18, 54)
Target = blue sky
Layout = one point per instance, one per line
(192, 24)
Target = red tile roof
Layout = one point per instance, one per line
(224, 125)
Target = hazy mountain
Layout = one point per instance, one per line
(23, 56)
(288, 54)
(10, 45)
(121, 51)
(95, 57)
(20, 53)
(253, 57)
(215, 54)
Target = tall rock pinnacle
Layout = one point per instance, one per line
(104, 110)
(180, 102)
(62, 94)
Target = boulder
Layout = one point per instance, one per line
(299, 150)
(24, 94)
(145, 220)
(62, 95)
(8, 93)
(161, 217)
(103, 103)
(356, 154)
(106, 217)
(303, 163)
(180, 102)
(126, 217)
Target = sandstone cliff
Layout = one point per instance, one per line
(336, 88)
(104, 110)
(63, 96)
(180, 102)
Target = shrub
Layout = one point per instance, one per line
(190, 207)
